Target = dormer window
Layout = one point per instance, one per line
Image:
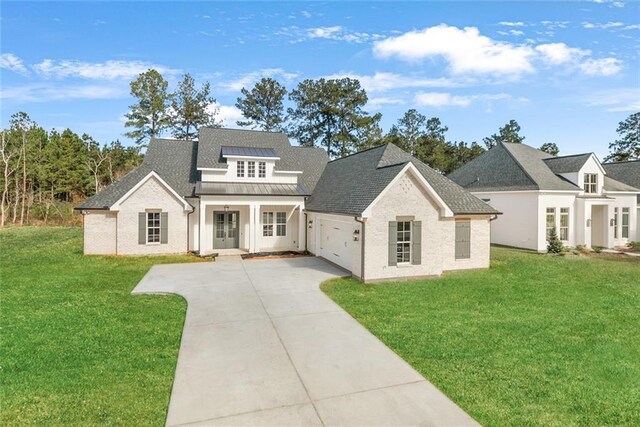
(240, 169)
(591, 183)
(251, 169)
(262, 169)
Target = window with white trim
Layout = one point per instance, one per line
(281, 224)
(267, 224)
(625, 223)
(615, 223)
(251, 169)
(262, 169)
(551, 221)
(591, 183)
(564, 224)
(403, 242)
(240, 169)
(153, 227)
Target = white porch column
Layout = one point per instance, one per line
(202, 226)
(252, 227)
(302, 229)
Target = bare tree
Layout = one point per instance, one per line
(7, 154)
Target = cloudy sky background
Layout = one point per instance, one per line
(567, 71)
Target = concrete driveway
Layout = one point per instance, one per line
(262, 345)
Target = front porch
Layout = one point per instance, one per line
(243, 225)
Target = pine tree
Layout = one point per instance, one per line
(263, 106)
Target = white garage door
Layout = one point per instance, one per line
(335, 242)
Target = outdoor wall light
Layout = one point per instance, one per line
(310, 224)
(356, 234)
(612, 222)
(226, 208)
(589, 222)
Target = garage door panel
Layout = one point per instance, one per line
(335, 239)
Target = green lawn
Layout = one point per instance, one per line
(535, 340)
(77, 348)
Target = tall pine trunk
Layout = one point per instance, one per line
(24, 177)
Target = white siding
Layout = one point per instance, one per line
(279, 243)
(151, 195)
(518, 225)
(557, 201)
(99, 232)
(230, 174)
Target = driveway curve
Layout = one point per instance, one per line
(263, 345)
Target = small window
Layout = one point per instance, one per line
(240, 169)
(262, 169)
(564, 224)
(551, 221)
(591, 183)
(251, 169)
(615, 223)
(153, 227)
(625, 223)
(281, 224)
(403, 242)
(267, 224)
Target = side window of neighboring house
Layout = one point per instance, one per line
(615, 223)
(564, 224)
(240, 169)
(625, 223)
(251, 169)
(153, 227)
(551, 221)
(463, 239)
(262, 169)
(591, 183)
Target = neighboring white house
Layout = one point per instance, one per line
(537, 192)
(629, 173)
(379, 214)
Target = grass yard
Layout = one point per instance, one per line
(535, 340)
(77, 348)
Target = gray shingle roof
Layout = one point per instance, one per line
(310, 160)
(514, 167)
(627, 172)
(567, 164)
(611, 184)
(349, 185)
(172, 160)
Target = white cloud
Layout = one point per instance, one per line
(553, 25)
(9, 61)
(468, 52)
(306, 14)
(616, 100)
(465, 50)
(378, 102)
(605, 26)
(45, 93)
(335, 32)
(516, 32)
(441, 99)
(108, 70)
(227, 114)
(601, 67)
(511, 23)
(249, 79)
(560, 53)
(632, 27)
(384, 81)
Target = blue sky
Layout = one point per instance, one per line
(567, 71)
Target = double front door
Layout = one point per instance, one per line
(225, 230)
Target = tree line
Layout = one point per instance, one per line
(45, 172)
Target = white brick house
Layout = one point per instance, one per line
(380, 214)
(537, 192)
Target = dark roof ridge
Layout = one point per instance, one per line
(620, 162)
(570, 155)
(359, 152)
(522, 168)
